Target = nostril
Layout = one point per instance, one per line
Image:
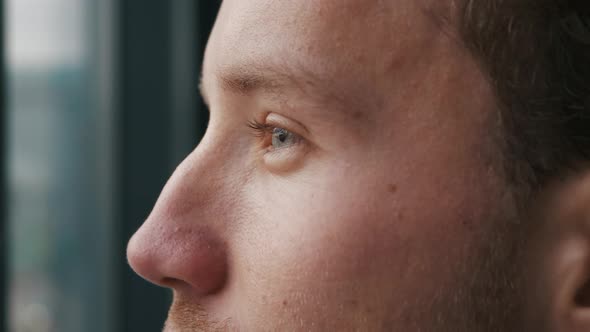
(204, 269)
(172, 283)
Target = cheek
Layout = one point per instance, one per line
(345, 235)
(312, 246)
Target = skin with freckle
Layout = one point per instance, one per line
(382, 207)
(328, 239)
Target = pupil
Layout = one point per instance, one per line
(282, 137)
(281, 134)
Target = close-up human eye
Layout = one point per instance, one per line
(274, 134)
(273, 137)
(280, 145)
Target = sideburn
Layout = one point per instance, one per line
(490, 295)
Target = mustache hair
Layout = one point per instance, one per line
(185, 316)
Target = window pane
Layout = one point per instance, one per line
(59, 165)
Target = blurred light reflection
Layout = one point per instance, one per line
(58, 140)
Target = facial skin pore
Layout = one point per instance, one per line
(385, 210)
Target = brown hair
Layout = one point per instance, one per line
(537, 56)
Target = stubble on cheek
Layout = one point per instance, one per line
(488, 296)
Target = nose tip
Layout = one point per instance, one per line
(179, 257)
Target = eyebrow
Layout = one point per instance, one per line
(243, 81)
(247, 78)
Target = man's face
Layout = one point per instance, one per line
(347, 180)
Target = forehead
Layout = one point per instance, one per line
(365, 38)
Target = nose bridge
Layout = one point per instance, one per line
(190, 187)
(180, 244)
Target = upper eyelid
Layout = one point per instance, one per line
(293, 126)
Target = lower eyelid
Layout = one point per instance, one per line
(285, 159)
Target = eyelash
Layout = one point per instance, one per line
(260, 129)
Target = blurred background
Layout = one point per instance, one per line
(99, 103)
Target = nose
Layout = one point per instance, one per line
(179, 246)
